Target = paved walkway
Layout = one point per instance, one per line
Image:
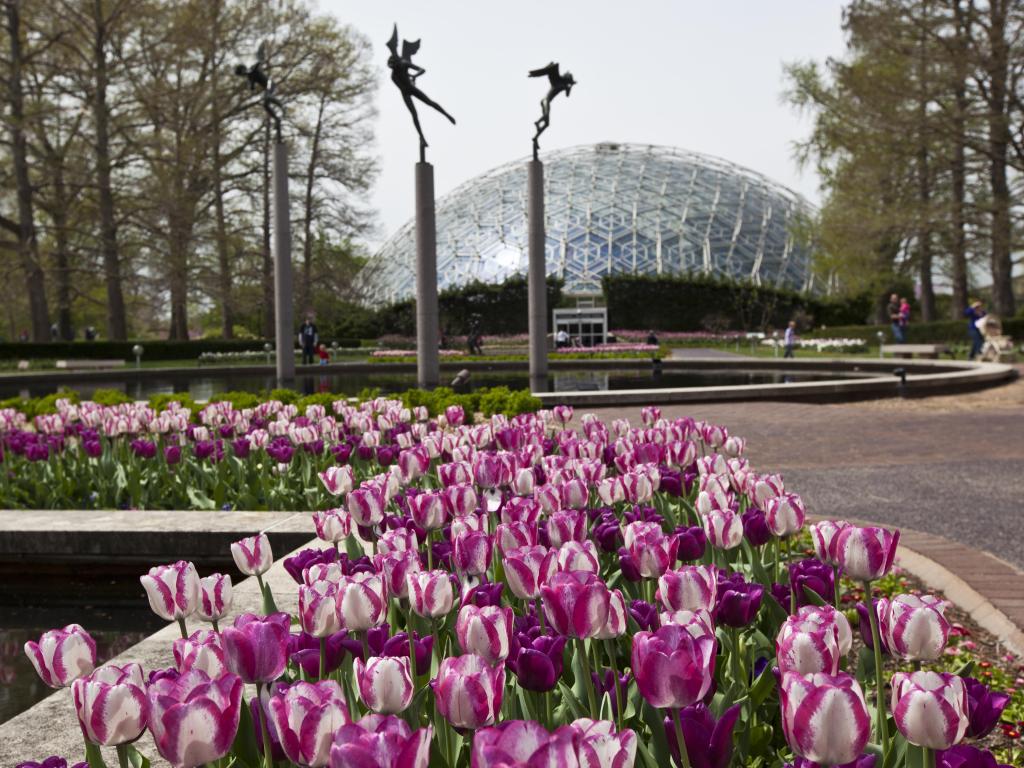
(686, 353)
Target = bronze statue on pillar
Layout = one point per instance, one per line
(559, 84)
(404, 74)
(259, 80)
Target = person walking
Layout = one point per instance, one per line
(308, 339)
(974, 313)
(893, 310)
(904, 315)
(789, 340)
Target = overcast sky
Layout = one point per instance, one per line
(704, 75)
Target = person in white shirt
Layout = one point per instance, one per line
(561, 339)
(790, 339)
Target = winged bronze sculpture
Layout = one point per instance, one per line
(404, 74)
(559, 83)
(260, 81)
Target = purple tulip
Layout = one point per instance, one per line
(537, 664)
(824, 717)
(256, 647)
(755, 528)
(692, 541)
(644, 614)
(53, 761)
(194, 718)
(62, 655)
(94, 449)
(576, 603)
(964, 756)
(864, 761)
(304, 651)
(605, 683)
(984, 708)
(111, 704)
(483, 595)
(296, 564)
(738, 601)
(469, 691)
(673, 668)
(144, 449)
(304, 716)
(523, 743)
(813, 574)
(865, 625)
(708, 741)
(487, 632)
(379, 741)
(172, 454)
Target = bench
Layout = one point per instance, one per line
(930, 351)
(83, 365)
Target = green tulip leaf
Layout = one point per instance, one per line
(135, 758)
(94, 756)
(814, 597)
(571, 701)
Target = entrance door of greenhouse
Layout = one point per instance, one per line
(585, 326)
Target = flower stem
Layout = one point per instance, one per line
(775, 565)
(876, 640)
(540, 616)
(609, 646)
(677, 722)
(122, 756)
(268, 757)
(927, 758)
(181, 626)
(835, 586)
(215, 627)
(581, 650)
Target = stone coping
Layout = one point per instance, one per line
(140, 536)
(922, 380)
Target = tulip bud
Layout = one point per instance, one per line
(430, 593)
(487, 632)
(256, 647)
(379, 741)
(111, 704)
(574, 556)
(866, 554)
(253, 555)
(930, 708)
(385, 683)
(62, 655)
(527, 568)
(362, 601)
(305, 716)
(428, 510)
(194, 718)
(201, 650)
(807, 647)
(824, 536)
(916, 628)
(576, 603)
(173, 590)
(824, 717)
(785, 514)
(690, 588)
(214, 597)
(333, 525)
(673, 669)
(469, 691)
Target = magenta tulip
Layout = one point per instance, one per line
(111, 704)
(527, 569)
(524, 743)
(379, 741)
(472, 552)
(690, 588)
(930, 708)
(305, 717)
(469, 690)
(62, 655)
(576, 603)
(430, 593)
(650, 549)
(486, 631)
(194, 717)
(673, 668)
(824, 717)
(201, 650)
(256, 647)
(385, 683)
(173, 590)
(866, 554)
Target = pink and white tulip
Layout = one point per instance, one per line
(785, 514)
(201, 650)
(194, 718)
(253, 555)
(469, 691)
(305, 717)
(576, 603)
(62, 655)
(930, 708)
(916, 628)
(824, 717)
(333, 525)
(690, 588)
(379, 741)
(173, 590)
(430, 593)
(866, 554)
(111, 704)
(486, 631)
(385, 683)
(362, 601)
(527, 569)
(214, 597)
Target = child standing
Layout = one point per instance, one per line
(323, 354)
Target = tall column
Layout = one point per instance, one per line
(283, 309)
(427, 366)
(537, 277)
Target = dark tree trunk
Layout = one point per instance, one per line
(924, 230)
(62, 259)
(998, 148)
(227, 307)
(958, 169)
(28, 249)
(117, 325)
(268, 262)
(306, 289)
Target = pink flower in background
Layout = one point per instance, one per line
(214, 597)
(253, 555)
(173, 590)
(62, 655)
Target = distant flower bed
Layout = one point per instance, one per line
(388, 353)
(823, 345)
(612, 347)
(667, 337)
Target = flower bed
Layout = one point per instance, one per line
(388, 353)
(823, 345)
(519, 592)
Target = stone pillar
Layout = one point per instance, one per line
(427, 320)
(537, 288)
(284, 310)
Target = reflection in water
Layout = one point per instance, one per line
(203, 386)
(110, 605)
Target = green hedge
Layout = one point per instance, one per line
(939, 332)
(699, 302)
(153, 349)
